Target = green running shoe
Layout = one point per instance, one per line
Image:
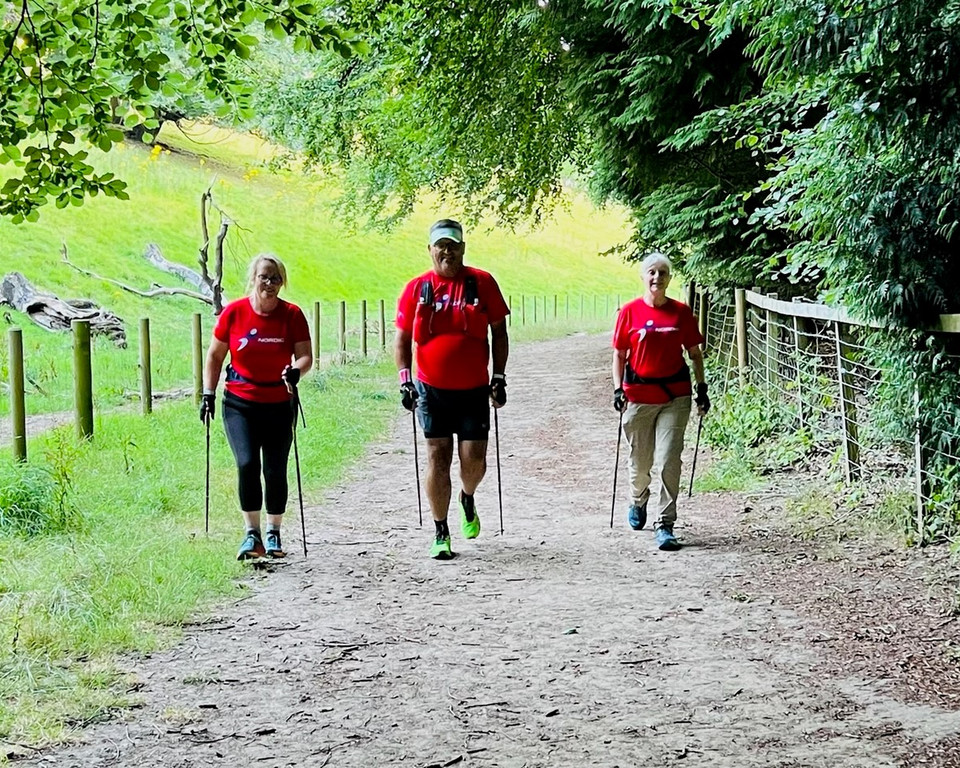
(469, 528)
(441, 549)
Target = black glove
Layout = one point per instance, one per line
(208, 407)
(498, 391)
(619, 400)
(702, 401)
(409, 395)
(291, 375)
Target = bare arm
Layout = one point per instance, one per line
(216, 354)
(500, 346)
(619, 362)
(403, 349)
(302, 356)
(696, 357)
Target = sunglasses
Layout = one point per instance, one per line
(270, 279)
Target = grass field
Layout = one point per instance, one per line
(102, 546)
(285, 213)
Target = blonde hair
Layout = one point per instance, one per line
(275, 260)
(656, 258)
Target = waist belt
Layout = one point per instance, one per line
(232, 375)
(683, 375)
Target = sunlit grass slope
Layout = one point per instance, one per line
(287, 213)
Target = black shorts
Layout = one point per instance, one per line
(445, 412)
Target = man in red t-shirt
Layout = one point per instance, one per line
(446, 313)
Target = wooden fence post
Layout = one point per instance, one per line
(798, 362)
(510, 307)
(383, 325)
(771, 352)
(317, 330)
(363, 327)
(740, 318)
(342, 333)
(566, 298)
(82, 379)
(523, 309)
(690, 294)
(704, 318)
(18, 412)
(582, 299)
(197, 358)
(555, 300)
(848, 407)
(146, 375)
(534, 309)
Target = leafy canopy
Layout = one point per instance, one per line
(74, 73)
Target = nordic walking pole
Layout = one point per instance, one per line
(206, 505)
(496, 435)
(696, 450)
(616, 466)
(416, 466)
(298, 411)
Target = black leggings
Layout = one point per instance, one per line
(253, 428)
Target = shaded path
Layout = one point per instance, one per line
(562, 643)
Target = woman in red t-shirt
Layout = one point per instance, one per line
(269, 345)
(652, 390)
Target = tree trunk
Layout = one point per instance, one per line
(56, 314)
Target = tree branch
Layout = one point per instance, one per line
(218, 269)
(157, 291)
(205, 198)
(15, 34)
(38, 47)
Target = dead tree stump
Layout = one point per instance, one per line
(56, 314)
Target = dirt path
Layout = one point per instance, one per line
(561, 643)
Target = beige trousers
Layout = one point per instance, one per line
(655, 436)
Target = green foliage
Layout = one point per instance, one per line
(76, 73)
(747, 429)
(34, 500)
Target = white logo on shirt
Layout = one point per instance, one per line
(246, 339)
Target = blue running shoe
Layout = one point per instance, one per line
(252, 547)
(637, 516)
(273, 546)
(666, 540)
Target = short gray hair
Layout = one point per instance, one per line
(656, 258)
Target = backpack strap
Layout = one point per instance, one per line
(471, 295)
(426, 293)
(630, 377)
(232, 375)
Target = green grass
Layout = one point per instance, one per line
(286, 213)
(137, 564)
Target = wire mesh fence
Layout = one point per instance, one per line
(817, 373)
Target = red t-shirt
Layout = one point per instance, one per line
(655, 338)
(261, 346)
(452, 351)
